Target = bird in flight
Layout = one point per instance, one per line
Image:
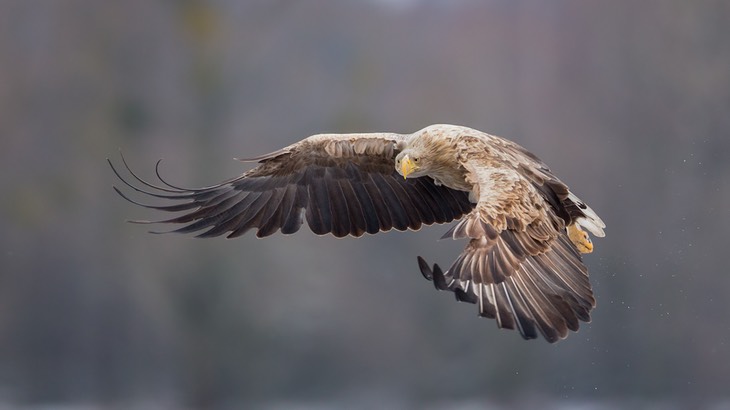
(522, 263)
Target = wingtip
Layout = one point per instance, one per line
(425, 269)
(449, 234)
(139, 222)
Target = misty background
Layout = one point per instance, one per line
(628, 102)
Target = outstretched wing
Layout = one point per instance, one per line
(520, 267)
(340, 184)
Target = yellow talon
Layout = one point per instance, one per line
(580, 239)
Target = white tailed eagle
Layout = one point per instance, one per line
(522, 264)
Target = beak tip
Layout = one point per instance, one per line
(407, 167)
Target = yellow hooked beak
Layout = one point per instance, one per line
(407, 166)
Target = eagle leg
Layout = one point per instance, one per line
(580, 239)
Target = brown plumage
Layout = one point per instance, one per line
(522, 264)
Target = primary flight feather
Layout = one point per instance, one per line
(522, 265)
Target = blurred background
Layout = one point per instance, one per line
(628, 102)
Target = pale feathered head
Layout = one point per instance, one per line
(421, 155)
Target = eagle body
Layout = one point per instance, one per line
(522, 263)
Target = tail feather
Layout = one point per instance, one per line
(586, 217)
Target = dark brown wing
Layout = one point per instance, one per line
(519, 266)
(533, 285)
(339, 184)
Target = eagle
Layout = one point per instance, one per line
(522, 263)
